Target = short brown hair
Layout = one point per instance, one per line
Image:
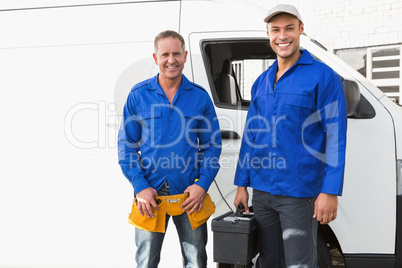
(166, 34)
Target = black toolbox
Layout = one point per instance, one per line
(234, 238)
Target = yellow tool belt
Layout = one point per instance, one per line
(170, 204)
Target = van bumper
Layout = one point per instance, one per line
(370, 261)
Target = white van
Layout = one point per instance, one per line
(66, 69)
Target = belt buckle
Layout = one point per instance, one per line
(166, 184)
(177, 200)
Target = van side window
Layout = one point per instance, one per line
(233, 66)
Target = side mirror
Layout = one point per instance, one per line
(358, 106)
(352, 93)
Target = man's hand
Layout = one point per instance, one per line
(146, 199)
(195, 199)
(326, 207)
(242, 197)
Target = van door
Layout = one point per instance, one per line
(226, 64)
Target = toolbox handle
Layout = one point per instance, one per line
(240, 206)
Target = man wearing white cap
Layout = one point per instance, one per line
(297, 116)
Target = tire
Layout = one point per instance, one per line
(323, 255)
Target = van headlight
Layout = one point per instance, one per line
(399, 174)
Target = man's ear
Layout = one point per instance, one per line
(301, 28)
(155, 58)
(185, 56)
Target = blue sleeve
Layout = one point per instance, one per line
(332, 105)
(242, 175)
(210, 142)
(129, 141)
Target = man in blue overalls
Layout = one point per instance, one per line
(293, 148)
(169, 144)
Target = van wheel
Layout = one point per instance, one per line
(323, 255)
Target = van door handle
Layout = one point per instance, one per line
(229, 135)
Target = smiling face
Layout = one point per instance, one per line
(284, 32)
(170, 57)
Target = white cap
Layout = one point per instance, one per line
(282, 8)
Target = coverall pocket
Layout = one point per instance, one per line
(151, 125)
(297, 109)
(192, 121)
